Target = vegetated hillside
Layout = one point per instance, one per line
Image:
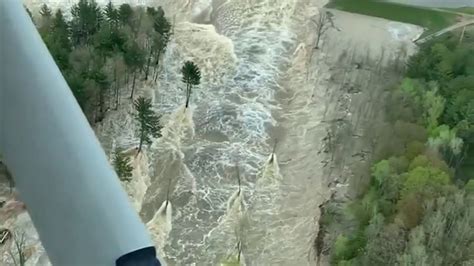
(419, 206)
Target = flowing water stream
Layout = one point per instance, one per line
(242, 47)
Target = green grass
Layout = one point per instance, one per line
(466, 9)
(431, 20)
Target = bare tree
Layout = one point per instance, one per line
(323, 23)
(17, 252)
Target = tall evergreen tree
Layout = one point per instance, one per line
(160, 23)
(100, 78)
(134, 57)
(148, 120)
(122, 165)
(191, 76)
(125, 14)
(111, 14)
(159, 39)
(86, 21)
(57, 40)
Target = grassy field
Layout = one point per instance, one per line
(467, 10)
(431, 20)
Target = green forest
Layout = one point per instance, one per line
(418, 209)
(102, 51)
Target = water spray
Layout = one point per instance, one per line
(239, 250)
(161, 224)
(273, 152)
(168, 193)
(271, 169)
(237, 195)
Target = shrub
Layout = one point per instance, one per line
(410, 211)
(364, 209)
(419, 161)
(469, 187)
(398, 164)
(424, 179)
(409, 132)
(341, 249)
(414, 149)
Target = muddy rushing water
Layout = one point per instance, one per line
(242, 53)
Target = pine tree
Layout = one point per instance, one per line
(148, 120)
(111, 14)
(160, 38)
(122, 165)
(86, 21)
(191, 76)
(100, 78)
(57, 40)
(160, 23)
(125, 14)
(134, 57)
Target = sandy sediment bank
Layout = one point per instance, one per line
(330, 99)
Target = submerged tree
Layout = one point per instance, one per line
(149, 121)
(122, 165)
(191, 76)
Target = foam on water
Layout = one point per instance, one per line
(240, 55)
(161, 224)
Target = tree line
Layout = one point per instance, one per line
(103, 50)
(419, 206)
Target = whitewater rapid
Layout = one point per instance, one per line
(241, 47)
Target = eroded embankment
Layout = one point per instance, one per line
(356, 64)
